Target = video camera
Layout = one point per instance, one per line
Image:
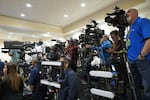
(92, 33)
(20, 47)
(16, 45)
(55, 51)
(59, 43)
(117, 19)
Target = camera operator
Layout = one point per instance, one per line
(72, 50)
(138, 42)
(86, 58)
(15, 56)
(105, 44)
(117, 60)
(70, 85)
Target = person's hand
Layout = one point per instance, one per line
(109, 50)
(141, 57)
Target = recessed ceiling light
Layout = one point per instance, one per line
(83, 4)
(28, 5)
(10, 33)
(9, 36)
(46, 35)
(33, 36)
(22, 15)
(98, 21)
(72, 31)
(66, 16)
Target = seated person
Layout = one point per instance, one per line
(12, 83)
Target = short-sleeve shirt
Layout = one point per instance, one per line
(34, 78)
(104, 55)
(139, 32)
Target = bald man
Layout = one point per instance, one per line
(138, 44)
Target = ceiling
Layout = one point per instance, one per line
(52, 11)
(45, 19)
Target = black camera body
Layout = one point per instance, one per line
(54, 52)
(117, 19)
(92, 33)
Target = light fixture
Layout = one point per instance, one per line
(66, 16)
(10, 33)
(28, 5)
(9, 36)
(72, 31)
(22, 15)
(98, 21)
(46, 34)
(83, 4)
(33, 36)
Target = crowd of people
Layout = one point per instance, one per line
(137, 49)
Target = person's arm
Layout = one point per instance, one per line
(106, 44)
(111, 50)
(31, 79)
(145, 32)
(10, 53)
(145, 50)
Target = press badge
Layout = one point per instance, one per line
(128, 43)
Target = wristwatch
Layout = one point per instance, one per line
(142, 55)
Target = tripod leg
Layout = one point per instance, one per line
(130, 77)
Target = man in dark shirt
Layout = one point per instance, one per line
(34, 79)
(70, 86)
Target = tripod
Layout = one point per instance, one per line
(125, 59)
(130, 77)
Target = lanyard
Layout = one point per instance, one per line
(128, 41)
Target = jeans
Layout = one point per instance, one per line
(141, 73)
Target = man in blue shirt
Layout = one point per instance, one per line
(34, 79)
(70, 85)
(138, 43)
(105, 44)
